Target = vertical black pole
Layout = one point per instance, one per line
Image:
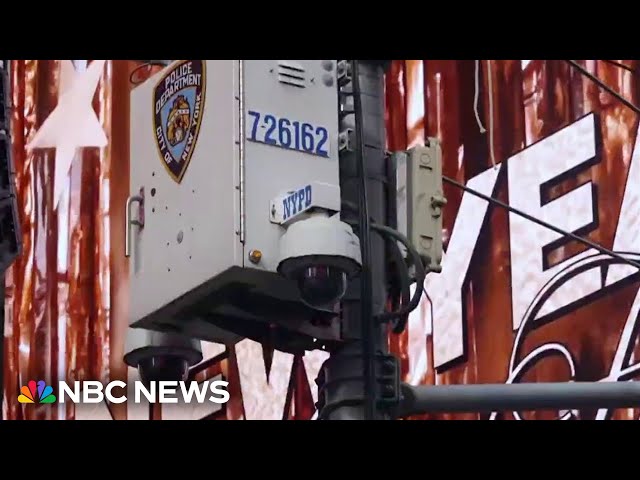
(5, 98)
(341, 381)
(10, 232)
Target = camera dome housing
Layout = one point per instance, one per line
(160, 356)
(163, 368)
(320, 253)
(321, 285)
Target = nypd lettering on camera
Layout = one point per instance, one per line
(296, 202)
(289, 205)
(169, 392)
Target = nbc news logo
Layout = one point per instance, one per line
(38, 392)
(155, 392)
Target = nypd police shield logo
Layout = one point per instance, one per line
(178, 104)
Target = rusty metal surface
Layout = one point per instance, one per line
(57, 306)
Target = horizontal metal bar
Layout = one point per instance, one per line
(518, 397)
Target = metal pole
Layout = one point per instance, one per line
(341, 382)
(518, 397)
(4, 66)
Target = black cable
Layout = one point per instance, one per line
(603, 85)
(403, 280)
(416, 261)
(398, 258)
(620, 65)
(366, 289)
(526, 216)
(421, 275)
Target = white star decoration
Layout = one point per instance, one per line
(73, 124)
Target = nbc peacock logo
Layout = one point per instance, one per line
(36, 392)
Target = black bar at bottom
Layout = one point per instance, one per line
(518, 397)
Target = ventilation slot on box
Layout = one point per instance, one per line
(292, 74)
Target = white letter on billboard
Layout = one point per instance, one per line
(445, 288)
(542, 162)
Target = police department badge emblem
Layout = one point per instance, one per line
(178, 103)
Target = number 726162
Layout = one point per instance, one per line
(285, 133)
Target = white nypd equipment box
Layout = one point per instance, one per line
(223, 154)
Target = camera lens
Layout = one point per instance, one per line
(163, 368)
(322, 286)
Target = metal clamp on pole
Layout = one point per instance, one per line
(340, 385)
(139, 222)
(518, 397)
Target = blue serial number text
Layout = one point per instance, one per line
(290, 134)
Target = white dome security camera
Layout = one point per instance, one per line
(320, 253)
(160, 356)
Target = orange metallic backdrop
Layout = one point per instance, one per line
(67, 297)
(57, 292)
